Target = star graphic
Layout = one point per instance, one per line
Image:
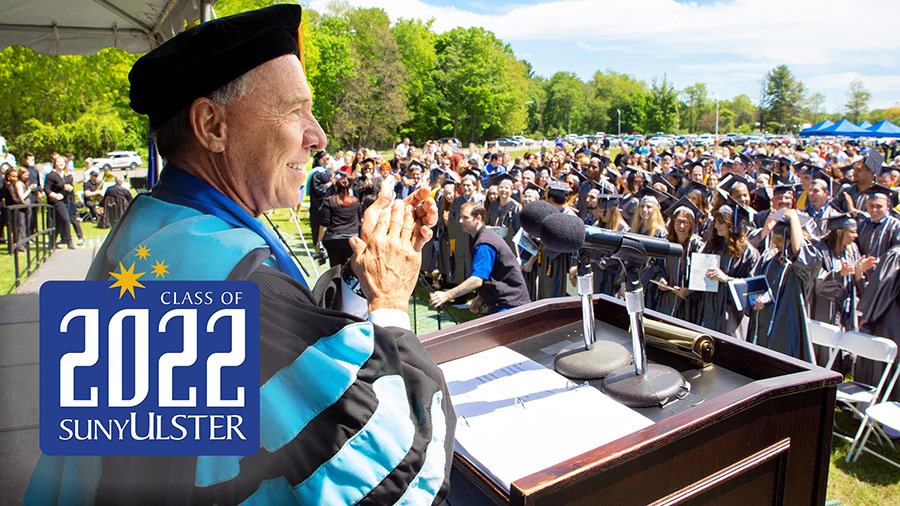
(142, 252)
(160, 269)
(127, 280)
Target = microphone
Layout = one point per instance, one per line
(533, 214)
(567, 234)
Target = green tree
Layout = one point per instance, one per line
(330, 63)
(415, 41)
(373, 108)
(783, 97)
(858, 100)
(634, 116)
(479, 83)
(661, 108)
(613, 92)
(815, 104)
(695, 102)
(565, 102)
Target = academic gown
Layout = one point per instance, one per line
(350, 412)
(818, 227)
(442, 245)
(717, 311)
(676, 274)
(781, 324)
(876, 238)
(553, 270)
(653, 270)
(831, 294)
(880, 308)
(505, 216)
(608, 272)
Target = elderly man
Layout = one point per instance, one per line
(360, 412)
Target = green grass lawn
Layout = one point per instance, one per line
(866, 482)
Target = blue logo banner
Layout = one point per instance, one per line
(149, 367)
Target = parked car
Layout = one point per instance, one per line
(506, 141)
(524, 140)
(705, 140)
(453, 141)
(119, 160)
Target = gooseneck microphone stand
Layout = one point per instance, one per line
(642, 385)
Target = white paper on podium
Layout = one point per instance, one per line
(515, 417)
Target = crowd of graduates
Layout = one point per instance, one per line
(818, 221)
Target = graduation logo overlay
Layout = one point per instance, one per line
(143, 366)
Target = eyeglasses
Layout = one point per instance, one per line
(682, 222)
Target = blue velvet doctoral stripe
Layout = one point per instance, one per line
(427, 483)
(178, 187)
(296, 394)
(367, 457)
(212, 469)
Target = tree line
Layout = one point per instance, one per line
(374, 82)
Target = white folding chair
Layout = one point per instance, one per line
(825, 335)
(854, 393)
(885, 414)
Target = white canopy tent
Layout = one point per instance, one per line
(87, 26)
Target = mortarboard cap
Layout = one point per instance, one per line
(541, 192)
(698, 187)
(557, 189)
(471, 174)
(876, 191)
(612, 170)
(606, 200)
(782, 223)
(682, 204)
(735, 212)
(779, 189)
(657, 178)
(874, 159)
(205, 57)
(839, 221)
(819, 177)
(499, 178)
(651, 194)
(732, 179)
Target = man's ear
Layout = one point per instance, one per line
(208, 124)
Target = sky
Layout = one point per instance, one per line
(729, 45)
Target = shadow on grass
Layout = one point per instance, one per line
(868, 469)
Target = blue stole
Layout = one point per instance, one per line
(178, 187)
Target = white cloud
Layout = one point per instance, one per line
(825, 42)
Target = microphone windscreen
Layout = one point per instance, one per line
(562, 233)
(533, 215)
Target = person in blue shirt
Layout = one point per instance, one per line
(496, 274)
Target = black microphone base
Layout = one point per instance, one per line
(593, 362)
(659, 386)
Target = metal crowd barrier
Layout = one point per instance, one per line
(37, 239)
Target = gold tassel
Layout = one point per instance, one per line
(300, 46)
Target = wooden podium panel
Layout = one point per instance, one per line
(763, 438)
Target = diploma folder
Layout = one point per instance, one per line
(745, 292)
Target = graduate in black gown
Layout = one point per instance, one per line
(789, 265)
(737, 259)
(679, 301)
(881, 315)
(553, 266)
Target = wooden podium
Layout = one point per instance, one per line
(756, 428)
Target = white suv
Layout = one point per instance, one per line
(119, 160)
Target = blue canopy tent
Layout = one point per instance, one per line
(813, 130)
(864, 124)
(844, 128)
(884, 128)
